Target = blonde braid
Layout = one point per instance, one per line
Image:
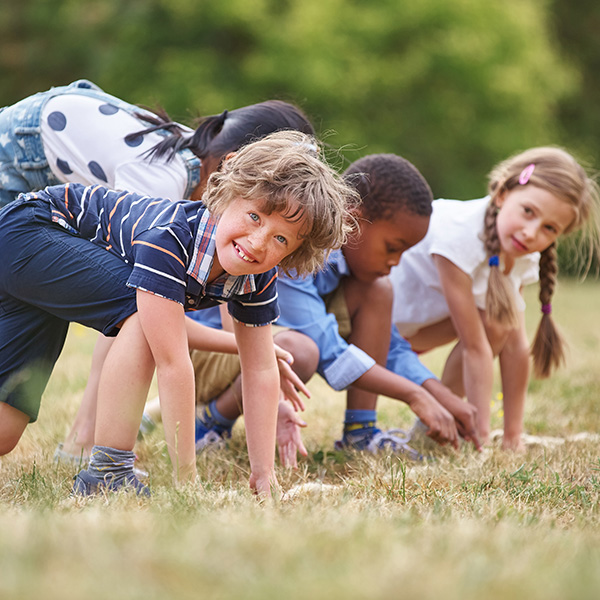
(499, 300)
(548, 345)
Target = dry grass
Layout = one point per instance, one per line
(463, 525)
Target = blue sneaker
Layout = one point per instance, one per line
(87, 485)
(209, 434)
(374, 440)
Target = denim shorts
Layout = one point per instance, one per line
(49, 278)
(23, 164)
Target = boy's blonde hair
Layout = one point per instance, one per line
(557, 172)
(284, 174)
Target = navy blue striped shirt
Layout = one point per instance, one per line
(170, 245)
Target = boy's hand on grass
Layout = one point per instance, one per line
(265, 486)
(289, 440)
(440, 423)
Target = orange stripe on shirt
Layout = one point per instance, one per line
(112, 212)
(67, 200)
(161, 250)
(268, 284)
(141, 217)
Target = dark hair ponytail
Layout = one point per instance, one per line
(159, 119)
(218, 135)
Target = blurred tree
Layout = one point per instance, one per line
(453, 86)
(577, 25)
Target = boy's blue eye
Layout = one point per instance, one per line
(253, 216)
(281, 239)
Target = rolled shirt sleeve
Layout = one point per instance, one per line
(303, 310)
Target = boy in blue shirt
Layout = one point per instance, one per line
(339, 323)
(130, 264)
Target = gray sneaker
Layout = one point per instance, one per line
(87, 485)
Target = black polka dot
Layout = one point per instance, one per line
(97, 171)
(108, 109)
(57, 120)
(63, 165)
(134, 142)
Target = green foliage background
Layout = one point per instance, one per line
(453, 86)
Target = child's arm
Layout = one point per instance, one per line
(175, 376)
(477, 355)
(464, 413)
(344, 364)
(514, 370)
(260, 393)
(202, 337)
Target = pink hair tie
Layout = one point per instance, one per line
(526, 174)
(546, 308)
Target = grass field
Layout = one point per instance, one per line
(463, 526)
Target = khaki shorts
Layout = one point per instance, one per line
(214, 372)
(335, 303)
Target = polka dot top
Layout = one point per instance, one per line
(84, 141)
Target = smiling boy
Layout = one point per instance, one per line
(131, 265)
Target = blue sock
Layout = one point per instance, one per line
(106, 461)
(214, 419)
(359, 420)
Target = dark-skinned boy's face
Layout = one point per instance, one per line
(378, 246)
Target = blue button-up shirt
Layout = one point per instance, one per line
(302, 307)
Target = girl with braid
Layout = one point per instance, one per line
(464, 281)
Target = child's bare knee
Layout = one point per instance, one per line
(7, 446)
(379, 296)
(12, 426)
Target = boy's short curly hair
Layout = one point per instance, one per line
(283, 172)
(388, 183)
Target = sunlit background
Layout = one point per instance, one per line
(454, 86)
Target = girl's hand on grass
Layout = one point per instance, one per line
(289, 440)
(466, 422)
(290, 383)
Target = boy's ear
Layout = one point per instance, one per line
(357, 211)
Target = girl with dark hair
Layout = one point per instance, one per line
(78, 133)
